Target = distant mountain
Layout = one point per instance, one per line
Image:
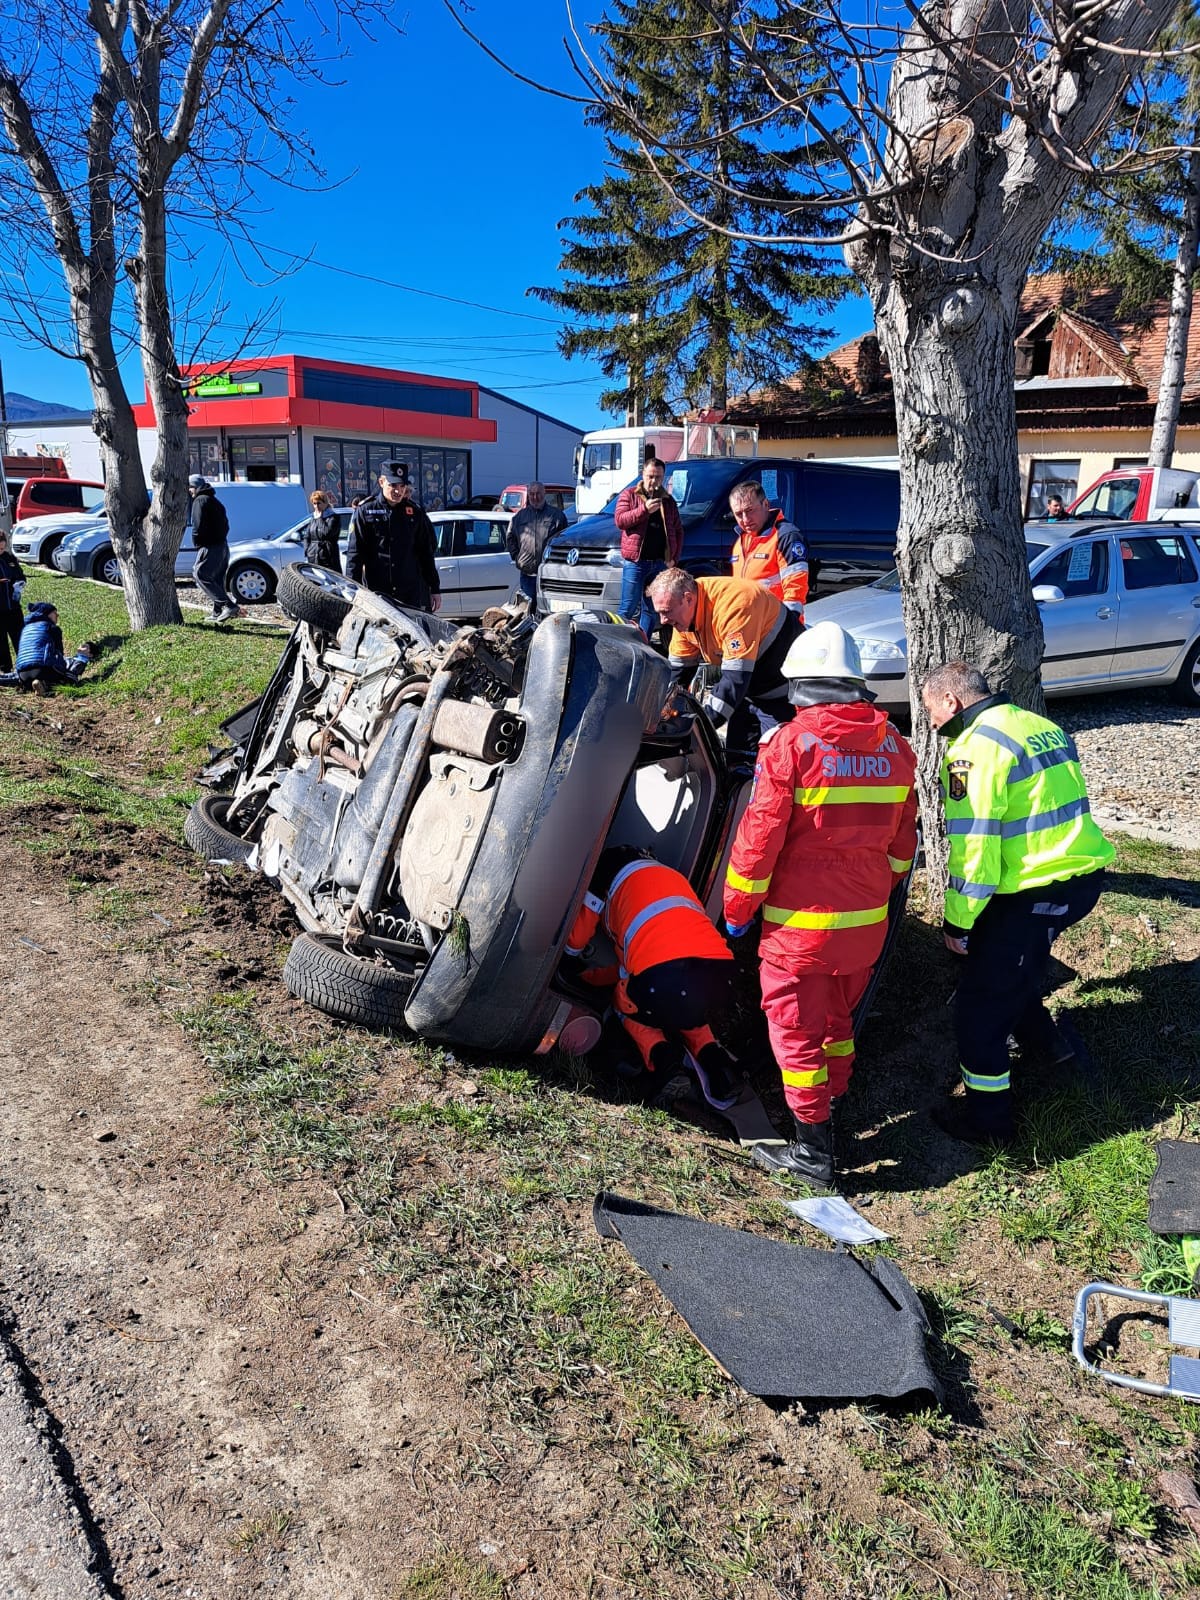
(23, 408)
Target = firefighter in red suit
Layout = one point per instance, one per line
(674, 969)
(830, 830)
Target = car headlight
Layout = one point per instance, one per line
(880, 650)
(615, 558)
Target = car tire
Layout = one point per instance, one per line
(1186, 687)
(205, 830)
(46, 551)
(374, 996)
(105, 568)
(251, 584)
(313, 595)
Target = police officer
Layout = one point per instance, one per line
(392, 546)
(1026, 861)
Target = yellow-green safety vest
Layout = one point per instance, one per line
(1017, 811)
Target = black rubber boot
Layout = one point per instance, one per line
(962, 1119)
(809, 1158)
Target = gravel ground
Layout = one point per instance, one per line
(1141, 758)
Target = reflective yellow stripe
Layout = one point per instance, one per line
(746, 885)
(850, 795)
(824, 919)
(839, 1047)
(804, 1080)
(899, 866)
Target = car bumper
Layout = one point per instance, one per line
(587, 586)
(74, 563)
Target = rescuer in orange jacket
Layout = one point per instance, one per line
(769, 549)
(674, 969)
(830, 830)
(739, 627)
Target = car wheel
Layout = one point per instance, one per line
(48, 547)
(313, 595)
(320, 972)
(205, 830)
(251, 584)
(1187, 685)
(106, 567)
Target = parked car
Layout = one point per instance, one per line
(1120, 609)
(431, 801)
(49, 495)
(848, 514)
(476, 570)
(38, 539)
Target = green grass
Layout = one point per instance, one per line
(1035, 1540)
(181, 681)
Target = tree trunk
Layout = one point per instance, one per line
(960, 545)
(1170, 388)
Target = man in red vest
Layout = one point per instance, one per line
(674, 969)
(830, 830)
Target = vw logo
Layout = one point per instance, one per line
(573, 558)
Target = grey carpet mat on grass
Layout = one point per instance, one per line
(1175, 1188)
(784, 1321)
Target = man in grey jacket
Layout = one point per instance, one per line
(529, 532)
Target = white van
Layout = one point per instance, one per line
(609, 458)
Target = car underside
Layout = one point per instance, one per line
(432, 799)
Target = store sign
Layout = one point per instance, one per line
(219, 389)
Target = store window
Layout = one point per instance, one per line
(349, 467)
(260, 460)
(1047, 478)
(204, 455)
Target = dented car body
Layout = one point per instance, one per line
(432, 799)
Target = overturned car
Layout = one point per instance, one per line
(432, 799)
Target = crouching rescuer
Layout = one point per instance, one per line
(829, 832)
(674, 970)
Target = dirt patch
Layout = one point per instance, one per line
(253, 1407)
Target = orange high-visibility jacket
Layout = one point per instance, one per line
(829, 831)
(652, 915)
(748, 631)
(777, 558)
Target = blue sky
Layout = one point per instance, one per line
(454, 177)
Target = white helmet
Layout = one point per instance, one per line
(824, 651)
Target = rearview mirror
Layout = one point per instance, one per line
(1048, 592)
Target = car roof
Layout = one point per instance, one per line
(458, 515)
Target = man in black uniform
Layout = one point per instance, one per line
(392, 544)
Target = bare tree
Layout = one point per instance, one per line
(953, 139)
(121, 118)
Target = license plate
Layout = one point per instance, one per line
(561, 603)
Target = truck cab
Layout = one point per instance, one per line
(1141, 494)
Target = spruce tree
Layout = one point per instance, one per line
(678, 315)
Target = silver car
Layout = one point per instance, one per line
(37, 538)
(1120, 609)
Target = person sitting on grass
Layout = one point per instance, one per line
(41, 659)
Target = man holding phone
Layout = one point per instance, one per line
(651, 540)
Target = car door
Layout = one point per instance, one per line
(487, 573)
(1159, 587)
(447, 533)
(1081, 628)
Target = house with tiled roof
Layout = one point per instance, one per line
(1087, 378)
